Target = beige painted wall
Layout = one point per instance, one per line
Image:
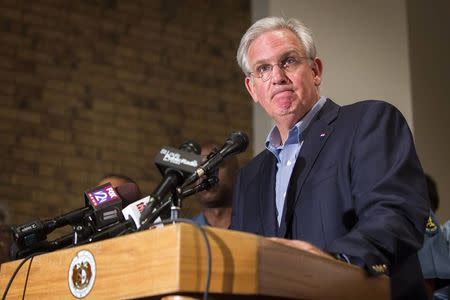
(365, 46)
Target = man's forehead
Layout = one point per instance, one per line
(274, 43)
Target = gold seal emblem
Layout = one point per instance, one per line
(82, 274)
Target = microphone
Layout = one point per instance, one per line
(37, 230)
(175, 165)
(107, 202)
(183, 161)
(206, 184)
(42, 246)
(101, 208)
(132, 214)
(235, 144)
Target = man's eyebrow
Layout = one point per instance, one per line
(284, 55)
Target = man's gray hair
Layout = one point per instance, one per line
(269, 24)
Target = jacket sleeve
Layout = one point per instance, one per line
(388, 189)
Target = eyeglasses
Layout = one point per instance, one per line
(288, 65)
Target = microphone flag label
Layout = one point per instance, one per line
(106, 204)
(134, 211)
(178, 159)
(102, 194)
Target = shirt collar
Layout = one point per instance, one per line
(273, 140)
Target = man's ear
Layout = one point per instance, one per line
(249, 84)
(317, 68)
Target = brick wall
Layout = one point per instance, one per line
(93, 87)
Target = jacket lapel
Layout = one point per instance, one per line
(314, 138)
(266, 195)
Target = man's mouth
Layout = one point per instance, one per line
(282, 93)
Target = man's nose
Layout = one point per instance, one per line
(278, 74)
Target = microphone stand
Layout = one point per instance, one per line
(206, 184)
(176, 206)
(175, 200)
(81, 233)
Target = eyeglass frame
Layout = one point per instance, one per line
(300, 60)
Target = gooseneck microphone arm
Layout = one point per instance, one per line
(168, 184)
(236, 143)
(206, 184)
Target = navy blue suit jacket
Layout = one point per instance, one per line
(357, 189)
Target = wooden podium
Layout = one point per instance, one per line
(173, 261)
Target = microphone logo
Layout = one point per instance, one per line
(176, 159)
(141, 207)
(102, 194)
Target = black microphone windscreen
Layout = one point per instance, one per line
(241, 140)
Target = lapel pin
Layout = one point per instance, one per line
(322, 134)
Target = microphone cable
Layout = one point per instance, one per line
(207, 244)
(205, 238)
(13, 276)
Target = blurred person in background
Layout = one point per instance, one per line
(434, 256)
(116, 180)
(216, 202)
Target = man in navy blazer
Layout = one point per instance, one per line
(336, 181)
